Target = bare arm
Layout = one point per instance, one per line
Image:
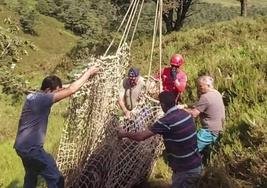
(75, 86)
(176, 83)
(65, 86)
(194, 112)
(137, 136)
(180, 84)
(121, 102)
(122, 105)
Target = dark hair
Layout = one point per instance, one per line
(167, 98)
(51, 82)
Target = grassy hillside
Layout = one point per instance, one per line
(235, 54)
(237, 3)
(43, 54)
(50, 46)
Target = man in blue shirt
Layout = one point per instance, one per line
(33, 126)
(178, 130)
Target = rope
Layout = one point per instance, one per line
(154, 38)
(137, 20)
(122, 22)
(89, 154)
(128, 24)
(160, 41)
(131, 21)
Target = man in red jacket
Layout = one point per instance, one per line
(173, 78)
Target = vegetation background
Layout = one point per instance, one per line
(42, 37)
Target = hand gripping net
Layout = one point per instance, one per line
(90, 154)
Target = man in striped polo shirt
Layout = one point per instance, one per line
(179, 134)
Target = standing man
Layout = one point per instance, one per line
(130, 92)
(32, 130)
(211, 110)
(179, 135)
(173, 78)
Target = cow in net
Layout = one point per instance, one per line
(90, 154)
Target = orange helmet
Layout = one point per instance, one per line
(177, 60)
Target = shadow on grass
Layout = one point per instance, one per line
(17, 184)
(14, 184)
(153, 184)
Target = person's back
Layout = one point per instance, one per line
(179, 135)
(33, 121)
(211, 110)
(213, 115)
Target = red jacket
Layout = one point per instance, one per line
(168, 83)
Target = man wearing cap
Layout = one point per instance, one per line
(173, 78)
(131, 89)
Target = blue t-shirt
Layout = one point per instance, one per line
(33, 121)
(180, 139)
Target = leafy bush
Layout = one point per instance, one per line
(207, 13)
(47, 7)
(27, 22)
(12, 49)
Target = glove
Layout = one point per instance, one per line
(173, 74)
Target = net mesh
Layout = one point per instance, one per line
(90, 154)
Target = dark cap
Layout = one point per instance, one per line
(133, 72)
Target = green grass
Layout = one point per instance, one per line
(30, 4)
(52, 42)
(258, 3)
(8, 116)
(233, 52)
(10, 164)
(11, 167)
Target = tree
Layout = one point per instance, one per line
(27, 22)
(46, 7)
(28, 16)
(175, 12)
(244, 5)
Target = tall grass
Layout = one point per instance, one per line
(52, 44)
(10, 164)
(237, 3)
(235, 54)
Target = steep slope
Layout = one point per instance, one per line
(35, 57)
(235, 54)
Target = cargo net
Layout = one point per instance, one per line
(90, 153)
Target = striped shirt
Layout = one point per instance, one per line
(180, 139)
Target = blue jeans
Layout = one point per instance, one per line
(38, 162)
(204, 138)
(187, 179)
